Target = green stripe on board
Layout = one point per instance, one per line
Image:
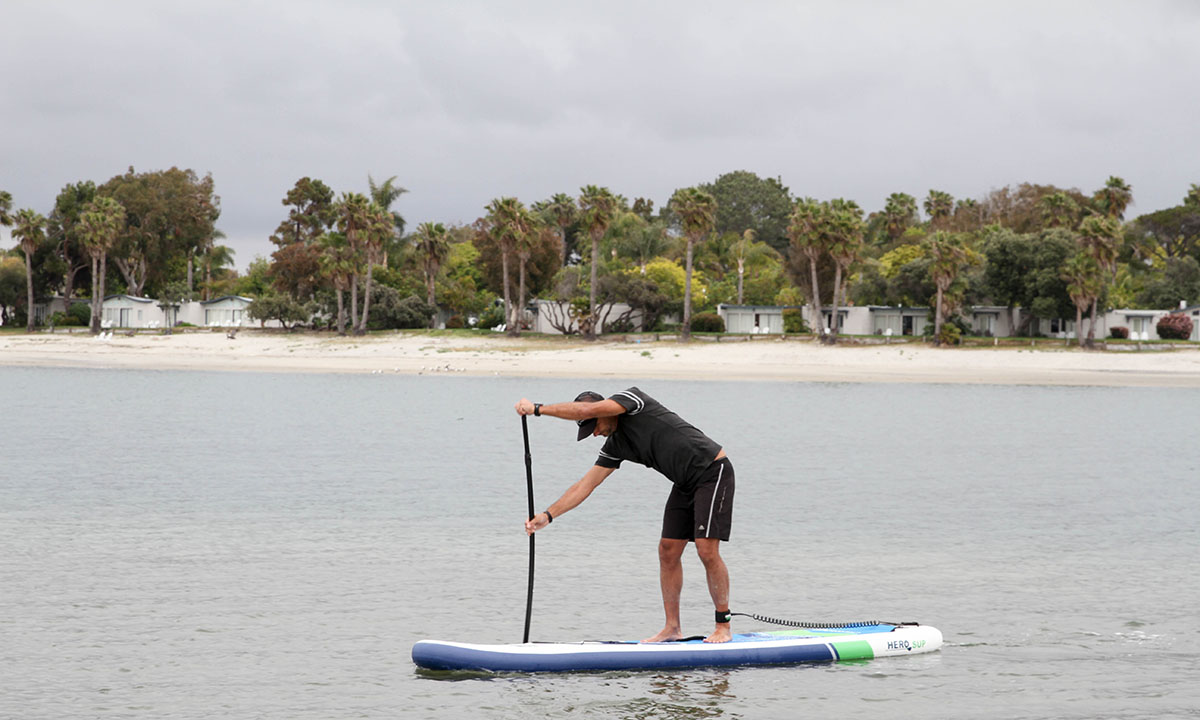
(853, 650)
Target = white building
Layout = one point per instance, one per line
(227, 311)
(127, 311)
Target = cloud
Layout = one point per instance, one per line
(466, 101)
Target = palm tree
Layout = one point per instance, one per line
(597, 206)
(748, 251)
(510, 223)
(643, 242)
(353, 220)
(30, 231)
(100, 224)
(433, 246)
(523, 245)
(949, 255)
(215, 257)
(1114, 197)
(697, 211)
(1058, 209)
(899, 213)
(6, 218)
(804, 233)
(380, 229)
(843, 226)
(938, 206)
(561, 210)
(383, 196)
(1098, 238)
(337, 264)
(1084, 283)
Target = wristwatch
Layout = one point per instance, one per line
(537, 409)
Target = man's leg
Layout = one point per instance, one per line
(670, 579)
(709, 550)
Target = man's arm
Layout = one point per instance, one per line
(574, 410)
(570, 499)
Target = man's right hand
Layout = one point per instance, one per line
(537, 522)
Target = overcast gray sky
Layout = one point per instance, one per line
(467, 101)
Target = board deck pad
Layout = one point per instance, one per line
(766, 647)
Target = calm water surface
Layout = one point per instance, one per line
(193, 545)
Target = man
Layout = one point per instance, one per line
(699, 509)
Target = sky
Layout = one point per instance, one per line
(466, 101)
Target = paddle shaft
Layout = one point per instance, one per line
(529, 494)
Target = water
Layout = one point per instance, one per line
(192, 545)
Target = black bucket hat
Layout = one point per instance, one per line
(587, 427)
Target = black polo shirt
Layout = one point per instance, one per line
(651, 435)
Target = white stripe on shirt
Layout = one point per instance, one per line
(639, 404)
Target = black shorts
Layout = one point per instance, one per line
(707, 512)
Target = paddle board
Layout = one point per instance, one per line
(768, 647)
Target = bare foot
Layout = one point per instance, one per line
(665, 635)
(722, 634)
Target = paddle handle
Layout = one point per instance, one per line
(529, 495)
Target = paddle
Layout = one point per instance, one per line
(529, 493)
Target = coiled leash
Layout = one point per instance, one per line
(812, 625)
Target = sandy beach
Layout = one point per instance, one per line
(768, 359)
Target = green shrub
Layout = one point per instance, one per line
(491, 317)
(793, 321)
(1175, 326)
(81, 312)
(391, 312)
(63, 320)
(951, 334)
(707, 322)
(1118, 332)
(455, 322)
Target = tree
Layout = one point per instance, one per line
(100, 226)
(643, 242)
(215, 258)
(312, 211)
(806, 239)
(354, 220)
(1112, 199)
(62, 228)
(1170, 233)
(1098, 238)
(748, 251)
(744, 201)
(384, 196)
(12, 286)
(949, 256)
(938, 206)
(1084, 282)
(696, 210)
(842, 225)
(30, 231)
(338, 266)
(1178, 280)
(512, 226)
(899, 213)
(1058, 210)
(597, 205)
(433, 246)
(170, 215)
(561, 212)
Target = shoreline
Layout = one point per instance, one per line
(773, 359)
